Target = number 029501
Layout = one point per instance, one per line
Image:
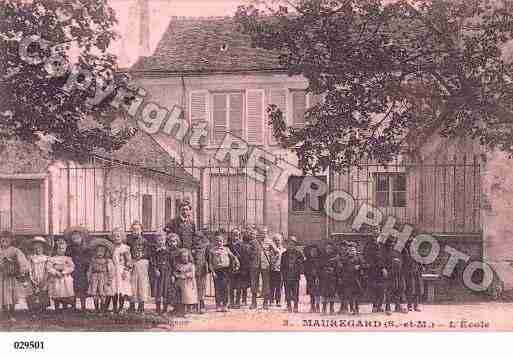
(29, 345)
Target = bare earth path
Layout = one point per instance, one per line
(483, 316)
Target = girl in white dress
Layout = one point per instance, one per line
(60, 282)
(121, 285)
(38, 261)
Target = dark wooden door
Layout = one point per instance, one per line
(305, 221)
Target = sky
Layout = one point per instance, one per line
(160, 13)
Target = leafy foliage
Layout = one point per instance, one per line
(34, 104)
(390, 72)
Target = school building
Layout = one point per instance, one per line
(140, 182)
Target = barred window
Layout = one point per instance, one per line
(390, 189)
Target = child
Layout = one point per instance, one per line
(60, 281)
(276, 281)
(199, 254)
(101, 275)
(140, 279)
(136, 238)
(76, 237)
(185, 274)
(377, 273)
(13, 264)
(413, 277)
(328, 278)
(395, 290)
(38, 301)
(312, 273)
(291, 266)
(239, 280)
(221, 263)
(349, 280)
(161, 266)
(122, 260)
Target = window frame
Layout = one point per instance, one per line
(391, 189)
(211, 137)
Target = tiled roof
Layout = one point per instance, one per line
(206, 45)
(142, 151)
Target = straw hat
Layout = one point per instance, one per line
(38, 239)
(80, 229)
(97, 242)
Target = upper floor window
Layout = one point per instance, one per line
(240, 113)
(227, 116)
(390, 189)
(301, 102)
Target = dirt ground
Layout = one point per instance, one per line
(481, 316)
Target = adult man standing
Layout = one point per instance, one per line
(183, 225)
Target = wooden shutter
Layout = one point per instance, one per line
(298, 108)
(198, 110)
(236, 103)
(277, 97)
(219, 117)
(313, 99)
(198, 106)
(255, 116)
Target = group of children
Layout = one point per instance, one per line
(134, 269)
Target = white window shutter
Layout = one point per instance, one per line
(255, 116)
(277, 97)
(299, 106)
(313, 99)
(198, 106)
(219, 117)
(237, 114)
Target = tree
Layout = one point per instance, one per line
(389, 71)
(54, 59)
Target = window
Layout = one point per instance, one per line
(227, 116)
(20, 206)
(235, 199)
(147, 211)
(301, 101)
(390, 189)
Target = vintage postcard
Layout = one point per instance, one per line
(241, 165)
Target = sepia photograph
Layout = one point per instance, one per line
(255, 166)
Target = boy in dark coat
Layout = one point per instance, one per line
(199, 252)
(312, 270)
(377, 273)
(259, 267)
(77, 237)
(291, 266)
(350, 279)
(328, 278)
(413, 279)
(395, 283)
(163, 280)
(239, 279)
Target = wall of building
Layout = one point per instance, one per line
(102, 198)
